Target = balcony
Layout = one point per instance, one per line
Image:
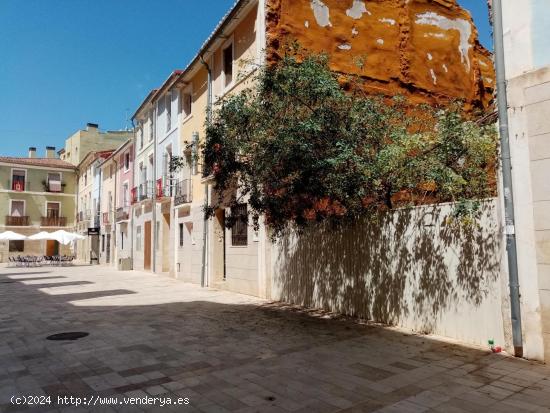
(84, 216)
(142, 192)
(53, 221)
(18, 185)
(183, 192)
(54, 187)
(12, 221)
(134, 195)
(122, 214)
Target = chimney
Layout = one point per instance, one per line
(50, 152)
(93, 126)
(32, 152)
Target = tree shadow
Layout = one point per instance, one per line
(210, 346)
(413, 263)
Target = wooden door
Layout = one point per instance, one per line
(52, 248)
(147, 246)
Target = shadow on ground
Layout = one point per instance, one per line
(236, 357)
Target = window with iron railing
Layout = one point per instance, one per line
(183, 192)
(239, 227)
(18, 180)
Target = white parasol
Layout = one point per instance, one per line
(12, 236)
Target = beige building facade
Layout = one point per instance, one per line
(88, 206)
(527, 64)
(36, 194)
(107, 202)
(91, 139)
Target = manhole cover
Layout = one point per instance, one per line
(71, 336)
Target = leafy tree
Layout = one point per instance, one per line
(300, 149)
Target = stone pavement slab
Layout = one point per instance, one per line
(151, 336)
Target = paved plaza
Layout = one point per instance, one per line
(154, 337)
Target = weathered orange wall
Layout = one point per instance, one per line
(427, 50)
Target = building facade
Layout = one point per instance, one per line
(88, 209)
(124, 161)
(106, 202)
(141, 194)
(91, 139)
(36, 194)
(254, 33)
(527, 66)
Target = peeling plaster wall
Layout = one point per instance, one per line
(426, 50)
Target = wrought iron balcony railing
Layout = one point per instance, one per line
(17, 221)
(183, 192)
(53, 222)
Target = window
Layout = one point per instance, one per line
(121, 239)
(138, 239)
(52, 209)
(150, 126)
(227, 56)
(103, 243)
(54, 182)
(18, 180)
(126, 162)
(181, 235)
(17, 208)
(186, 103)
(151, 165)
(167, 161)
(168, 104)
(17, 246)
(125, 195)
(239, 227)
(142, 174)
(140, 135)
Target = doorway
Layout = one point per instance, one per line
(147, 246)
(219, 246)
(165, 243)
(52, 248)
(108, 251)
(94, 248)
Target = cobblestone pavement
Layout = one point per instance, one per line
(154, 336)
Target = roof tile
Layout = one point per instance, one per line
(44, 162)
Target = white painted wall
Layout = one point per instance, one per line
(526, 34)
(411, 269)
(527, 59)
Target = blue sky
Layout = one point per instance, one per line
(66, 63)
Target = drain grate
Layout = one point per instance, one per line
(69, 336)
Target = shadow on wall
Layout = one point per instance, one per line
(411, 268)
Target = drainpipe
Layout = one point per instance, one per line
(113, 217)
(511, 246)
(154, 194)
(204, 281)
(130, 208)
